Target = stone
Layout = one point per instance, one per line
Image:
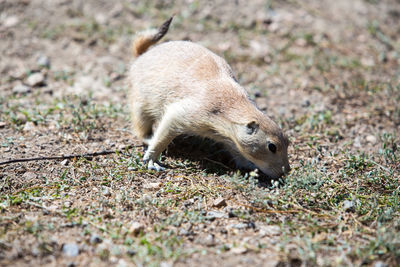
(301, 42)
(257, 94)
(239, 250)
(186, 230)
(262, 103)
(380, 264)
(70, 249)
(306, 103)
(368, 61)
(166, 264)
(269, 230)
(101, 18)
(11, 21)
(29, 126)
(219, 202)
(239, 226)
(259, 49)
(21, 89)
(209, 240)
(95, 239)
(357, 142)
(28, 176)
(43, 61)
(183, 232)
(131, 252)
(152, 186)
(85, 84)
(371, 139)
(2, 124)
(230, 211)
(136, 228)
(106, 191)
(212, 215)
(35, 79)
(348, 206)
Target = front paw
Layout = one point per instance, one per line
(155, 166)
(152, 164)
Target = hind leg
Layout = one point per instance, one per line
(142, 124)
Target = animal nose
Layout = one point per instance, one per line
(286, 169)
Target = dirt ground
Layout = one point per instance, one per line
(326, 71)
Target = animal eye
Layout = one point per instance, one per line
(272, 147)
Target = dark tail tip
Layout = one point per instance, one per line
(162, 30)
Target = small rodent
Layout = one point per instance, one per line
(180, 87)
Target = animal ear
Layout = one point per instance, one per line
(252, 127)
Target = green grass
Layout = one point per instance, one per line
(339, 206)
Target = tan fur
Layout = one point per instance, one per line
(183, 88)
(141, 44)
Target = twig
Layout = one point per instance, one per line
(86, 156)
(218, 163)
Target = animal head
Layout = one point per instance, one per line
(265, 145)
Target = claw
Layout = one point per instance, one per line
(155, 166)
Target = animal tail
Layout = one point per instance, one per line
(143, 40)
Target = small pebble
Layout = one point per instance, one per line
(70, 249)
(262, 103)
(219, 202)
(231, 213)
(106, 191)
(43, 61)
(166, 264)
(348, 206)
(257, 94)
(28, 176)
(239, 250)
(212, 215)
(183, 232)
(306, 103)
(11, 21)
(240, 226)
(209, 241)
(95, 239)
(269, 230)
(152, 185)
(371, 139)
(35, 79)
(122, 263)
(136, 228)
(131, 252)
(29, 126)
(380, 264)
(21, 89)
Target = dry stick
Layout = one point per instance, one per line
(86, 155)
(218, 163)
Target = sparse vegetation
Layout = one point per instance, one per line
(334, 89)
